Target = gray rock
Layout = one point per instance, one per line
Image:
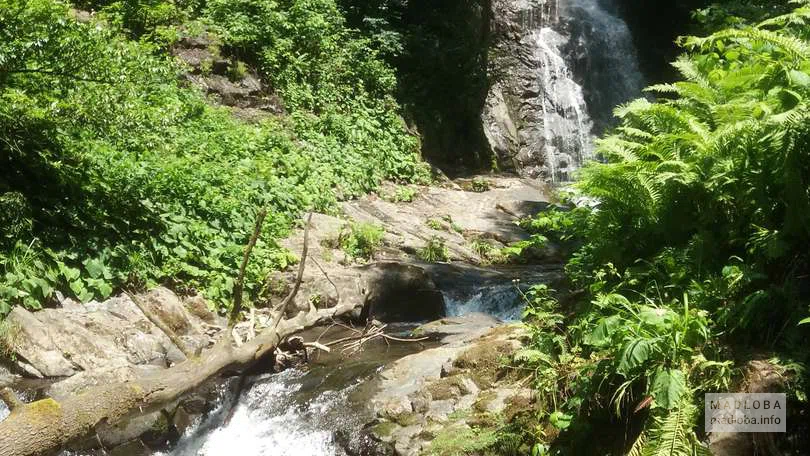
(420, 401)
(401, 292)
(102, 336)
(7, 378)
(457, 330)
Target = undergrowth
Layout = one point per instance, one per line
(694, 251)
(114, 174)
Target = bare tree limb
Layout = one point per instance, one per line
(337, 292)
(282, 308)
(176, 340)
(10, 398)
(239, 286)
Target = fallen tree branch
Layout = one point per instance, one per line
(282, 307)
(337, 291)
(352, 344)
(239, 285)
(45, 426)
(176, 340)
(301, 267)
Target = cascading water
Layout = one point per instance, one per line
(585, 64)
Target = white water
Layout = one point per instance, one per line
(500, 301)
(562, 28)
(270, 421)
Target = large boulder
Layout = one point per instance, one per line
(401, 292)
(108, 335)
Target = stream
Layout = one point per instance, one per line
(312, 412)
(321, 409)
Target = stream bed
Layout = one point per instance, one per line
(315, 411)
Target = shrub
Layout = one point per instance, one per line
(434, 251)
(119, 176)
(361, 240)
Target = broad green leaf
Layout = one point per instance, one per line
(94, 267)
(603, 332)
(799, 78)
(805, 321)
(560, 420)
(634, 354)
(655, 316)
(667, 388)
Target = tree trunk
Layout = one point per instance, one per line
(44, 426)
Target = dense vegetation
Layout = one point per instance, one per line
(696, 254)
(115, 174)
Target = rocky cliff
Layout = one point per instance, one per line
(556, 69)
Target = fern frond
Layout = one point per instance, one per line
(637, 449)
(690, 71)
(799, 17)
(633, 107)
(671, 433)
(793, 46)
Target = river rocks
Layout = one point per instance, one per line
(395, 284)
(80, 346)
(420, 399)
(108, 335)
(401, 292)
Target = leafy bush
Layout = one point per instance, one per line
(361, 240)
(699, 242)
(434, 251)
(402, 194)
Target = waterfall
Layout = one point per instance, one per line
(585, 65)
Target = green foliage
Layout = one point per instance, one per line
(462, 440)
(9, 337)
(434, 251)
(698, 240)
(434, 224)
(521, 250)
(479, 185)
(115, 175)
(402, 194)
(361, 240)
(487, 251)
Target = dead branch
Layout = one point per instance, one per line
(282, 307)
(176, 340)
(337, 291)
(10, 398)
(238, 287)
(301, 266)
(352, 344)
(45, 426)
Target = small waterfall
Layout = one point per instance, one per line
(268, 420)
(586, 64)
(501, 301)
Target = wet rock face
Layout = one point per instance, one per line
(401, 292)
(557, 68)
